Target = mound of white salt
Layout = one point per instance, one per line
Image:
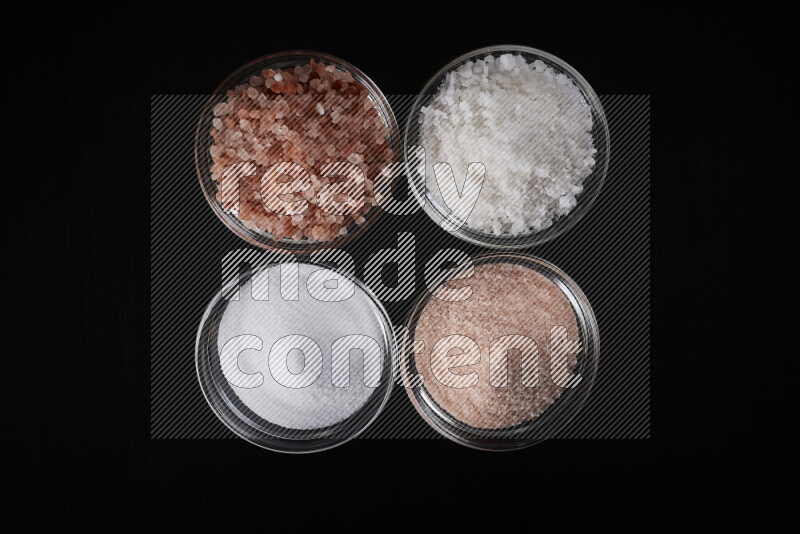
(528, 125)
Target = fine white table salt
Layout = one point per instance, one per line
(260, 386)
(528, 125)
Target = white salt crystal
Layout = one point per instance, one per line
(465, 71)
(506, 62)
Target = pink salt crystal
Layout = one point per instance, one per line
(221, 109)
(249, 224)
(252, 92)
(255, 81)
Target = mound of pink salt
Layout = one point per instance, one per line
(309, 115)
(506, 300)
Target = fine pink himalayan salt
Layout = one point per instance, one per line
(506, 299)
(307, 115)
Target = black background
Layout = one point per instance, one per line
(90, 440)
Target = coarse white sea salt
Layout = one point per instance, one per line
(530, 127)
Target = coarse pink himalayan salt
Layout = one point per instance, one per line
(309, 115)
(506, 299)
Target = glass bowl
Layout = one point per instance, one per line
(591, 185)
(204, 140)
(535, 430)
(242, 408)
